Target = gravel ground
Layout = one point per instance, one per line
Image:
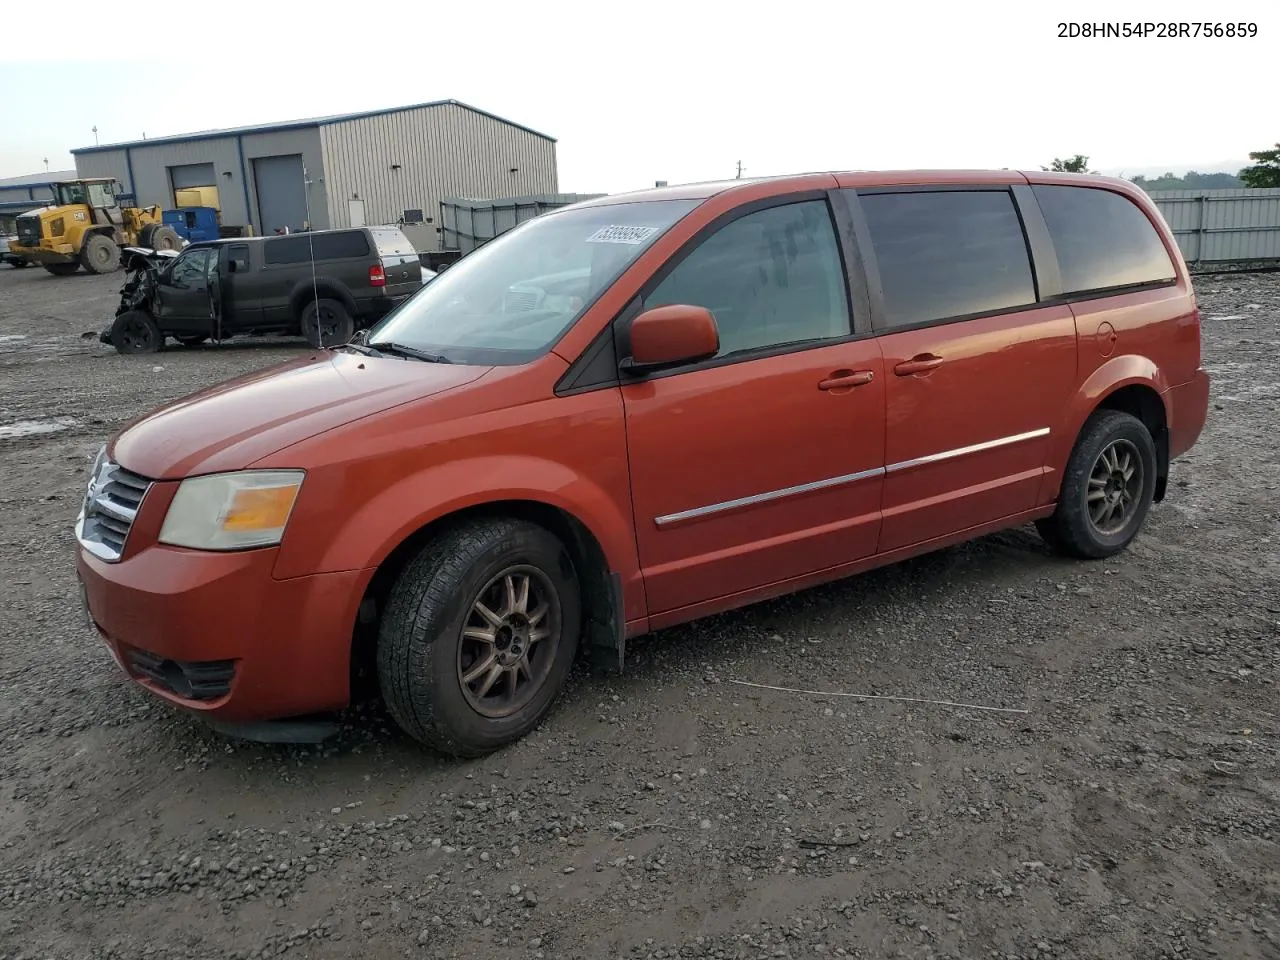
(1130, 812)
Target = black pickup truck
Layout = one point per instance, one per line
(324, 285)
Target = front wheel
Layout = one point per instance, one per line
(136, 332)
(1107, 489)
(100, 254)
(478, 636)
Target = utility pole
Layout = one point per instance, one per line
(739, 176)
(95, 134)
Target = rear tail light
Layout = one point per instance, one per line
(377, 276)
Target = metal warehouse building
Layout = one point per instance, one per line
(19, 194)
(379, 166)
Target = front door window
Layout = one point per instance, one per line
(191, 270)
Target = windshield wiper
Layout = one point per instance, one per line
(357, 347)
(413, 353)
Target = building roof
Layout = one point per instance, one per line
(37, 179)
(299, 125)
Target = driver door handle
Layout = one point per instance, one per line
(920, 363)
(844, 379)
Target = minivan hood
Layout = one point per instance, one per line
(234, 424)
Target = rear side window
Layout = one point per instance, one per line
(342, 245)
(948, 254)
(1102, 239)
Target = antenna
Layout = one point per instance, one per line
(311, 243)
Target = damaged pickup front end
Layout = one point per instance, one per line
(133, 327)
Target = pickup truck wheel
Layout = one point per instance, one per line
(1107, 488)
(326, 323)
(136, 332)
(100, 254)
(478, 636)
(62, 269)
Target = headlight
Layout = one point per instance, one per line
(232, 511)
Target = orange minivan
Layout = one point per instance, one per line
(636, 411)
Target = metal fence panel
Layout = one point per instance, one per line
(1223, 226)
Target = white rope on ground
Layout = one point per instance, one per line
(875, 696)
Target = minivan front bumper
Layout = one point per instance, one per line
(216, 634)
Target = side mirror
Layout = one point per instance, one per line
(665, 336)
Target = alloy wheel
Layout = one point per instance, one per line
(1115, 487)
(508, 641)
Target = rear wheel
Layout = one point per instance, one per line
(100, 254)
(1107, 488)
(136, 332)
(62, 269)
(478, 636)
(326, 323)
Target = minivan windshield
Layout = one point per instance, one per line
(511, 299)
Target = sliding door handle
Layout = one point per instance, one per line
(921, 363)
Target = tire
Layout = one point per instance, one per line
(136, 332)
(100, 254)
(164, 238)
(326, 323)
(1111, 445)
(62, 269)
(192, 341)
(19, 264)
(424, 658)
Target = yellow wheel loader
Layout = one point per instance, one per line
(84, 226)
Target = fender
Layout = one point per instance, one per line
(1116, 373)
(368, 535)
(300, 295)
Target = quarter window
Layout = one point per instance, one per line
(1102, 238)
(947, 254)
(769, 278)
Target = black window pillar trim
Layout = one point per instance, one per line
(855, 266)
(866, 257)
(1044, 256)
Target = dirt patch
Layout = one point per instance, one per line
(1130, 813)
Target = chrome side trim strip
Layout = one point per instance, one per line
(965, 451)
(714, 508)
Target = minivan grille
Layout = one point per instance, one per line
(29, 231)
(110, 507)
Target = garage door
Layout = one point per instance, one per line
(192, 175)
(194, 185)
(282, 198)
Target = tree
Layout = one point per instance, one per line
(1191, 180)
(1265, 171)
(1077, 164)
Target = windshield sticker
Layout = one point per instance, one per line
(631, 235)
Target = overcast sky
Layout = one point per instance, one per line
(661, 90)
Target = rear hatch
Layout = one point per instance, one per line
(400, 263)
